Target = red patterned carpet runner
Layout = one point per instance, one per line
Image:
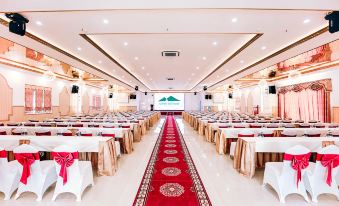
(171, 178)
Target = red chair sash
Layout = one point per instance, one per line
(313, 135)
(268, 135)
(49, 133)
(330, 161)
(126, 126)
(67, 134)
(87, 135)
(26, 160)
(245, 135)
(17, 133)
(3, 133)
(3, 154)
(65, 160)
(108, 126)
(298, 163)
(108, 135)
(285, 135)
(224, 126)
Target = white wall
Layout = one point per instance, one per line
(17, 79)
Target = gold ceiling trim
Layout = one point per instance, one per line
(294, 44)
(162, 9)
(100, 49)
(243, 47)
(41, 41)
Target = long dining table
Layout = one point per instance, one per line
(99, 150)
(250, 151)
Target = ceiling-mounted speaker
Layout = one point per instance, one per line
(17, 25)
(110, 96)
(136, 88)
(145, 93)
(333, 20)
(195, 93)
(75, 89)
(205, 88)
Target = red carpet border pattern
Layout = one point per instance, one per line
(171, 178)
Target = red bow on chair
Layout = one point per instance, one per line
(330, 161)
(298, 163)
(64, 159)
(3, 154)
(26, 160)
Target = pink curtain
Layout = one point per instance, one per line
(48, 99)
(307, 104)
(28, 99)
(38, 99)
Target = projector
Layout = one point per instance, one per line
(18, 23)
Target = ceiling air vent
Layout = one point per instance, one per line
(170, 78)
(170, 53)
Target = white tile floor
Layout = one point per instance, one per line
(223, 184)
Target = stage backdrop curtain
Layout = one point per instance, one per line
(306, 101)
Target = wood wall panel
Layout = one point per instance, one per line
(6, 98)
(335, 114)
(64, 102)
(19, 115)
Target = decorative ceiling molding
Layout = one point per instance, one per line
(243, 47)
(294, 44)
(89, 40)
(38, 39)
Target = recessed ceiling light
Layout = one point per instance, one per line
(189, 79)
(307, 21)
(234, 20)
(79, 49)
(263, 47)
(204, 58)
(197, 68)
(125, 43)
(215, 43)
(143, 68)
(105, 21)
(241, 61)
(227, 70)
(193, 74)
(122, 76)
(113, 70)
(39, 23)
(147, 74)
(136, 58)
(130, 81)
(217, 76)
(99, 61)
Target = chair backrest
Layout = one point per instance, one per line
(19, 131)
(312, 133)
(303, 125)
(3, 160)
(256, 125)
(73, 171)
(294, 156)
(35, 168)
(289, 133)
(289, 125)
(245, 133)
(3, 132)
(85, 133)
(272, 125)
(43, 133)
(77, 125)
(327, 164)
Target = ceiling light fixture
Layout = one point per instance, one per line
(193, 74)
(197, 68)
(136, 58)
(234, 20)
(307, 21)
(39, 23)
(105, 21)
(215, 43)
(99, 61)
(143, 68)
(241, 61)
(263, 47)
(125, 43)
(147, 74)
(204, 58)
(79, 49)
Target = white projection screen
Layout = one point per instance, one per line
(169, 101)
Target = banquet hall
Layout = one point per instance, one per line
(162, 103)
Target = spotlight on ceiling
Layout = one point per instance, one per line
(205, 88)
(195, 93)
(145, 93)
(136, 88)
(17, 25)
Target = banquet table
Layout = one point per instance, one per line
(99, 150)
(248, 149)
(124, 133)
(223, 134)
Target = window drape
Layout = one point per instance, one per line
(38, 99)
(48, 99)
(28, 99)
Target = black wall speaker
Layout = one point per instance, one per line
(195, 93)
(17, 25)
(230, 95)
(136, 88)
(75, 89)
(110, 95)
(206, 96)
(205, 88)
(145, 93)
(132, 96)
(272, 89)
(333, 20)
(210, 96)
